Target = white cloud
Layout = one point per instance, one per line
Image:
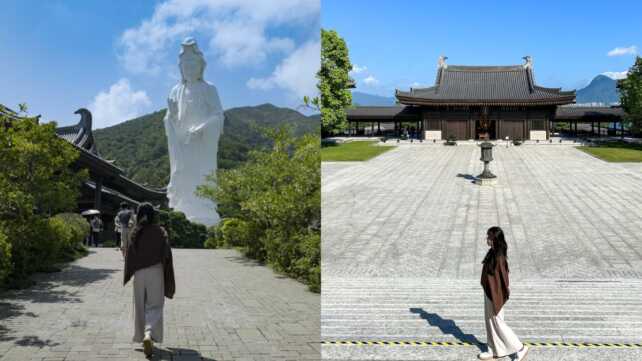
(236, 30)
(242, 43)
(356, 69)
(118, 104)
(295, 74)
(616, 74)
(370, 80)
(632, 50)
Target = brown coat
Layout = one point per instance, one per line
(495, 280)
(150, 247)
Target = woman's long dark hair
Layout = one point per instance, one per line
(145, 215)
(499, 247)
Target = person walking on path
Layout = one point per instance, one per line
(125, 221)
(96, 227)
(149, 260)
(502, 341)
(117, 232)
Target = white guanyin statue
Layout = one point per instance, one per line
(193, 124)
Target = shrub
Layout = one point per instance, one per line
(182, 233)
(451, 140)
(79, 230)
(37, 179)
(5, 258)
(271, 206)
(214, 236)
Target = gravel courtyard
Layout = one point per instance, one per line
(403, 237)
(225, 308)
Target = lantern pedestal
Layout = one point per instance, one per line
(486, 177)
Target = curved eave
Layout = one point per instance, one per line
(500, 102)
(147, 193)
(123, 184)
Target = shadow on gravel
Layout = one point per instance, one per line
(244, 261)
(469, 177)
(448, 327)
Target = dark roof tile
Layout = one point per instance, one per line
(485, 85)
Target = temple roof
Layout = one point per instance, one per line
(12, 114)
(485, 85)
(80, 134)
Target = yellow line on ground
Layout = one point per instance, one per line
(462, 343)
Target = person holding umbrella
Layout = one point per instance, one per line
(96, 227)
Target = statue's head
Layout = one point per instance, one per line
(191, 61)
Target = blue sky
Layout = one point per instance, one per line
(119, 58)
(395, 44)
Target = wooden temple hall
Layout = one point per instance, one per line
(479, 102)
(107, 185)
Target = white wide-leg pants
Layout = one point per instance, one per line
(502, 341)
(149, 298)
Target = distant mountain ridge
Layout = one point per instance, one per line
(602, 90)
(139, 146)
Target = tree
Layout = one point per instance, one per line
(36, 181)
(271, 205)
(631, 96)
(334, 83)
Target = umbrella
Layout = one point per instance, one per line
(90, 212)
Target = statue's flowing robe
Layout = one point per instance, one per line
(193, 106)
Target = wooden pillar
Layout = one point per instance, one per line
(379, 127)
(98, 193)
(372, 128)
(599, 129)
(592, 128)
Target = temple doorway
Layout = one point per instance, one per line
(485, 129)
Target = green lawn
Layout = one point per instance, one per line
(352, 151)
(616, 152)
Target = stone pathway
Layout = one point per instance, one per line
(403, 236)
(226, 308)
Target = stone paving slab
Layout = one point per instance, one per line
(406, 231)
(415, 211)
(226, 307)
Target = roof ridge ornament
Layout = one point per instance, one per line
(442, 62)
(528, 62)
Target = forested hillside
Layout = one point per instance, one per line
(139, 146)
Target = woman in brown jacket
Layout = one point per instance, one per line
(502, 341)
(149, 260)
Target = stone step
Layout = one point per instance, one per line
(472, 317)
(538, 310)
(340, 322)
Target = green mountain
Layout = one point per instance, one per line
(139, 146)
(602, 89)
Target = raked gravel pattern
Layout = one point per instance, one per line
(403, 236)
